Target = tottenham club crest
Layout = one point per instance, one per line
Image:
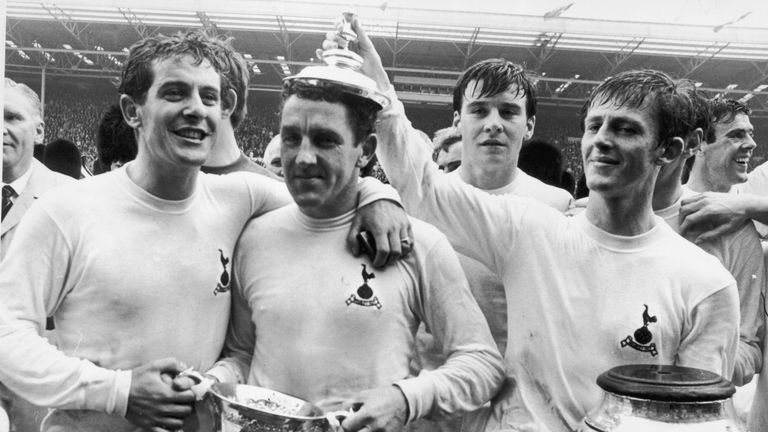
(643, 336)
(223, 285)
(364, 295)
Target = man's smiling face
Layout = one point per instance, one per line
(181, 111)
(726, 159)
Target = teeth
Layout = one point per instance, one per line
(192, 134)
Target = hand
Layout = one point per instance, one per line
(577, 206)
(372, 66)
(380, 410)
(389, 225)
(711, 215)
(155, 401)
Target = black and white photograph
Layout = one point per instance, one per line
(384, 216)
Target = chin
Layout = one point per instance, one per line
(599, 185)
(307, 201)
(194, 159)
(740, 178)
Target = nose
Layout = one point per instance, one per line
(194, 107)
(493, 123)
(305, 154)
(750, 143)
(603, 137)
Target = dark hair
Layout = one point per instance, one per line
(237, 79)
(671, 103)
(497, 76)
(137, 76)
(63, 156)
(361, 111)
(702, 113)
(724, 110)
(115, 140)
(542, 160)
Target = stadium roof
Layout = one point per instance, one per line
(568, 45)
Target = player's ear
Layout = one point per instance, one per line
(228, 103)
(131, 111)
(693, 142)
(40, 132)
(669, 150)
(530, 124)
(368, 147)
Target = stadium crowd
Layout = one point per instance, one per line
(131, 299)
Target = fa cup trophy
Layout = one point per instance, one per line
(342, 66)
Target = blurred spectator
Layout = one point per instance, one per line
(540, 159)
(567, 181)
(99, 167)
(272, 159)
(374, 169)
(115, 140)
(38, 152)
(448, 149)
(63, 156)
(582, 191)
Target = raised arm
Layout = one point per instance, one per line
(474, 221)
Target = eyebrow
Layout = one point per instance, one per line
(476, 103)
(313, 131)
(181, 83)
(739, 130)
(616, 119)
(593, 117)
(185, 84)
(508, 105)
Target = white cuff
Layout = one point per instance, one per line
(118, 397)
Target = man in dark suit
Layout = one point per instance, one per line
(24, 180)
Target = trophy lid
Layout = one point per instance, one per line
(346, 80)
(342, 71)
(665, 383)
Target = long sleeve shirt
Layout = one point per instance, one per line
(315, 322)
(579, 299)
